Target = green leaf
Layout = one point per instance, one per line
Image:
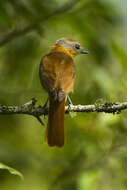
(11, 170)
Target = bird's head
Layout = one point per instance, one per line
(69, 47)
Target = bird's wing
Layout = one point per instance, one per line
(57, 73)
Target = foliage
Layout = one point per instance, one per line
(94, 156)
(11, 170)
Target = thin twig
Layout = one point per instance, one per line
(20, 32)
(30, 108)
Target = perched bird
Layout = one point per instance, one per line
(57, 75)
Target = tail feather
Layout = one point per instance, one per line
(55, 127)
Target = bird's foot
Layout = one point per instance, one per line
(72, 114)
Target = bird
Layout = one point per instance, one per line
(57, 75)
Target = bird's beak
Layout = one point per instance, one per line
(84, 51)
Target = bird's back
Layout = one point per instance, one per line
(57, 71)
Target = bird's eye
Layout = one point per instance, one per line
(77, 46)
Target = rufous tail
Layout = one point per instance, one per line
(55, 128)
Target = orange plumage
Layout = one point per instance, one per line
(57, 74)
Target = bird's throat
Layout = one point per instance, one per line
(66, 50)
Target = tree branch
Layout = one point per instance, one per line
(30, 108)
(19, 32)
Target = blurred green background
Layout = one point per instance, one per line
(95, 153)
